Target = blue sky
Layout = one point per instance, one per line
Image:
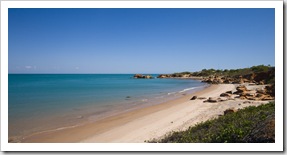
(138, 40)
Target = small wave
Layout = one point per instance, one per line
(171, 93)
(51, 130)
(187, 89)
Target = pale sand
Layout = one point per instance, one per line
(150, 122)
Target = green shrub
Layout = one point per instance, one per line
(249, 125)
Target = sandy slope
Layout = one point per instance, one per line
(177, 117)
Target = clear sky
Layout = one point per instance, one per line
(139, 40)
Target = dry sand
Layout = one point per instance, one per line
(151, 122)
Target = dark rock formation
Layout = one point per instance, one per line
(212, 100)
(225, 95)
(140, 76)
(193, 98)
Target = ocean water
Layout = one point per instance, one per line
(46, 102)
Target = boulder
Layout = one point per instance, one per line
(242, 97)
(162, 76)
(260, 91)
(267, 97)
(245, 102)
(229, 92)
(193, 98)
(211, 99)
(138, 76)
(225, 95)
(240, 90)
(251, 93)
(148, 76)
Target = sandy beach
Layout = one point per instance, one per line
(147, 123)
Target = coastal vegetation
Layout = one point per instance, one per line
(260, 74)
(248, 125)
(233, 72)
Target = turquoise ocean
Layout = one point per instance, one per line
(47, 102)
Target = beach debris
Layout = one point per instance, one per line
(229, 111)
(193, 98)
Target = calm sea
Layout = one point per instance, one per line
(43, 102)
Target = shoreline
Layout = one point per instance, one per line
(146, 123)
(70, 114)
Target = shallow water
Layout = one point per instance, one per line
(41, 102)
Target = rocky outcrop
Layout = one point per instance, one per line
(270, 89)
(259, 78)
(140, 76)
(164, 76)
(241, 90)
(175, 75)
(257, 95)
(266, 93)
